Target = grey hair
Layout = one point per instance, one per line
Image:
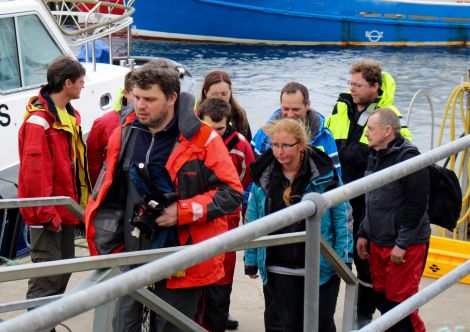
(387, 117)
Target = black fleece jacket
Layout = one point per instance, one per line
(396, 213)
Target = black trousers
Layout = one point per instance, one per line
(285, 309)
(49, 246)
(128, 312)
(384, 305)
(365, 296)
(215, 306)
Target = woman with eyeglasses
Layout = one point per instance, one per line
(281, 176)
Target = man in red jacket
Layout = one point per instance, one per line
(164, 132)
(53, 163)
(102, 128)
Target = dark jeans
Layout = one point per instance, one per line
(49, 246)
(285, 308)
(272, 322)
(365, 295)
(128, 312)
(215, 306)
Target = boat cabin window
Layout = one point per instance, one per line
(27, 48)
(9, 67)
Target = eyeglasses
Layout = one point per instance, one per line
(283, 147)
(358, 86)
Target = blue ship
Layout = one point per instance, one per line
(307, 22)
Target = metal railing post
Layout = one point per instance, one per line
(312, 263)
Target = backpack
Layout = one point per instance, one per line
(445, 195)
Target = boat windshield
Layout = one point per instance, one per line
(27, 48)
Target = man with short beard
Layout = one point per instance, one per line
(370, 88)
(163, 133)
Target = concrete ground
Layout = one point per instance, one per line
(449, 309)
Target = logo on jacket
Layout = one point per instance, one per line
(188, 173)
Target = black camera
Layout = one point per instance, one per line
(145, 214)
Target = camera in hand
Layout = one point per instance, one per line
(145, 214)
(153, 183)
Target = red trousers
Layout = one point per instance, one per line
(398, 282)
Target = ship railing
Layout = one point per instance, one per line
(94, 293)
(86, 21)
(90, 19)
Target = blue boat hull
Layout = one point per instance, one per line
(347, 22)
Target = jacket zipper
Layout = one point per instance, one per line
(147, 155)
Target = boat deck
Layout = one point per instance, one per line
(449, 309)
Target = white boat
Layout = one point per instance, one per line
(31, 38)
(32, 34)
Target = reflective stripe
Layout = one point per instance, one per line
(403, 122)
(243, 156)
(39, 121)
(198, 210)
(365, 114)
(211, 137)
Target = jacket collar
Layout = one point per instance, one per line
(318, 162)
(398, 144)
(43, 102)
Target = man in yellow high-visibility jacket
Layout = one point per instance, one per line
(370, 88)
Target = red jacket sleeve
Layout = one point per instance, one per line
(96, 142)
(248, 159)
(36, 170)
(225, 192)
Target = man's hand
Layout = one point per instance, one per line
(397, 255)
(253, 276)
(169, 216)
(361, 247)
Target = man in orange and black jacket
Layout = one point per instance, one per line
(163, 130)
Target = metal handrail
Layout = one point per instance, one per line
(43, 269)
(81, 301)
(424, 93)
(65, 201)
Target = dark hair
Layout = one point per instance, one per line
(215, 108)
(150, 74)
(293, 87)
(371, 70)
(128, 82)
(61, 69)
(238, 114)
